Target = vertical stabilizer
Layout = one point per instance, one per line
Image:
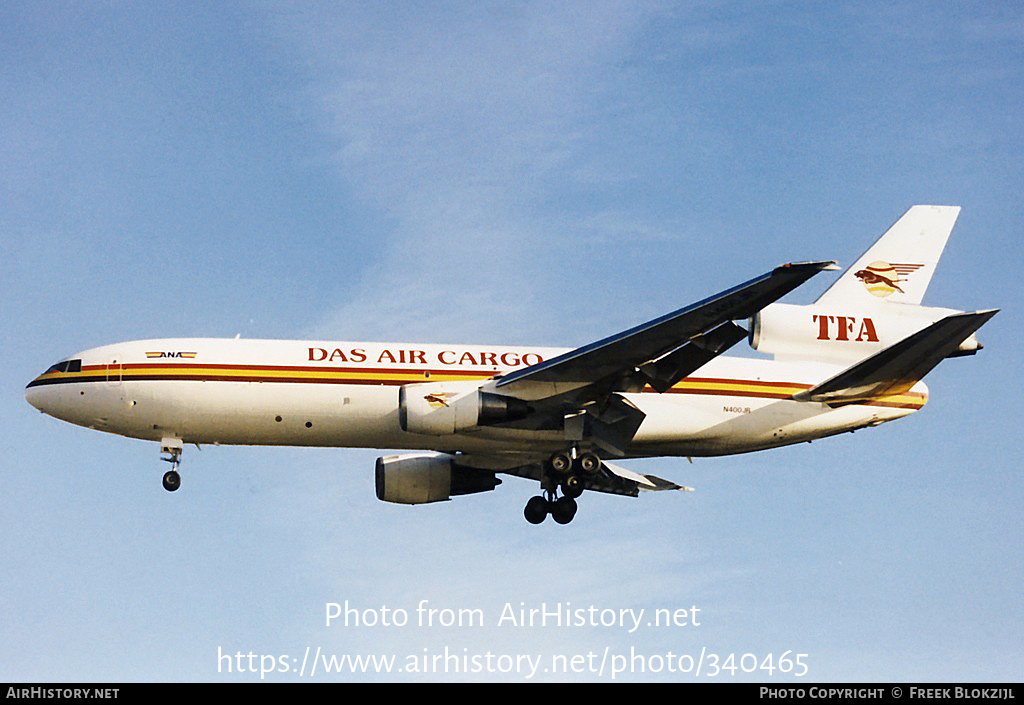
(900, 265)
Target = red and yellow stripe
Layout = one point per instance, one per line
(396, 377)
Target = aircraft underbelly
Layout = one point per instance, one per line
(723, 424)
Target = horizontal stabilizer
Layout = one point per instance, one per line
(900, 366)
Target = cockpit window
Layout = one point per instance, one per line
(66, 366)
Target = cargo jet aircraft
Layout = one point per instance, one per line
(562, 418)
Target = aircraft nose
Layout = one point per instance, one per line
(36, 396)
(44, 391)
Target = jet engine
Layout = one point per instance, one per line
(424, 478)
(442, 408)
(841, 336)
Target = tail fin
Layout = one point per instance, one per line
(855, 318)
(900, 265)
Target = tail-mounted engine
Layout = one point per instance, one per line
(424, 478)
(836, 334)
(442, 408)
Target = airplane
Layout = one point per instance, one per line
(564, 418)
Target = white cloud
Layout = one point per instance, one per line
(462, 128)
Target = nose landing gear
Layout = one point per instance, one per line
(172, 448)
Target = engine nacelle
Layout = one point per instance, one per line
(443, 408)
(828, 333)
(424, 478)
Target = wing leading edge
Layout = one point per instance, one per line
(666, 349)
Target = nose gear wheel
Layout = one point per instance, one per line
(172, 479)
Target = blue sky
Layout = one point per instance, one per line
(522, 173)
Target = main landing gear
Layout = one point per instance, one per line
(172, 448)
(566, 472)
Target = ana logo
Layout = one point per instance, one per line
(186, 355)
(882, 279)
(439, 399)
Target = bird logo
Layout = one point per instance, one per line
(438, 400)
(882, 278)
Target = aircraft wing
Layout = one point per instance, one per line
(897, 368)
(664, 350)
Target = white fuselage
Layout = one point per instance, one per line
(345, 394)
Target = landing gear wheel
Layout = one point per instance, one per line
(561, 463)
(172, 480)
(536, 510)
(572, 486)
(562, 472)
(171, 447)
(564, 510)
(589, 464)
